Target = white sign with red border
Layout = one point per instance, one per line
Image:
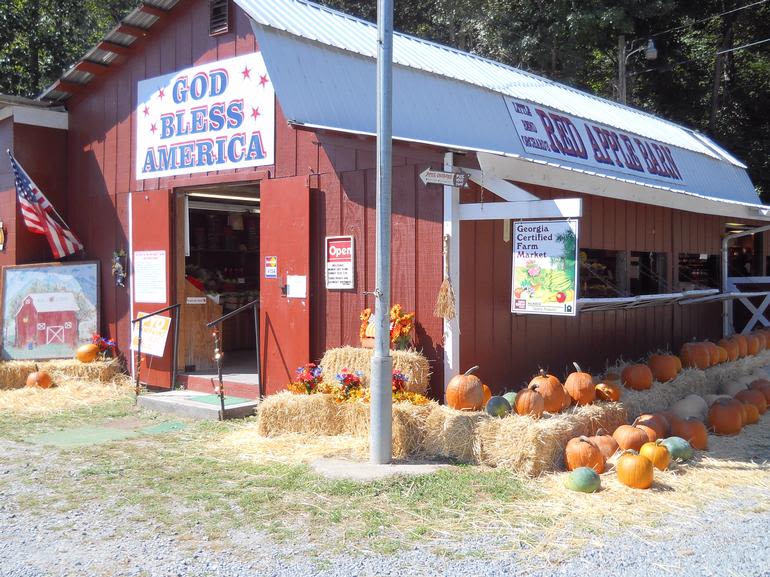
(340, 261)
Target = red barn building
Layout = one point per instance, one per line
(220, 148)
(47, 318)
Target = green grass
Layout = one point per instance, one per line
(180, 478)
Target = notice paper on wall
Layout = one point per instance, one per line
(296, 286)
(150, 276)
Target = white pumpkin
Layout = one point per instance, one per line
(710, 399)
(691, 406)
(733, 387)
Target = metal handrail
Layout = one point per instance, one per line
(254, 305)
(140, 320)
(232, 313)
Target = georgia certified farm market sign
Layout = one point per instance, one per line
(556, 135)
(211, 117)
(544, 267)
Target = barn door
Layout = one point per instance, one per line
(151, 238)
(285, 270)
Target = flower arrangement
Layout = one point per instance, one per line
(399, 381)
(365, 315)
(401, 327)
(107, 348)
(308, 379)
(349, 385)
(118, 267)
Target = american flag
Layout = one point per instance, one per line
(41, 217)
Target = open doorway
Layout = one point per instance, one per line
(217, 268)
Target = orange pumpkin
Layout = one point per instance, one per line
(752, 344)
(713, 353)
(731, 346)
(465, 392)
(657, 454)
(606, 443)
(487, 394)
(751, 414)
(656, 422)
(725, 418)
(87, 353)
(608, 392)
(529, 402)
(762, 340)
(652, 436)
(743, 345)
(756, 398)
(634, 470)
(664, 367)
(693, 431)
(695, 355)
(762, 385)
(671, 417)
(630, 437)
(723, 357)
(39, 379)
(551, 389)
(637, 377)
(582, 452)
(580, 387)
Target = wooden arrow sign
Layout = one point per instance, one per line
(458, 179)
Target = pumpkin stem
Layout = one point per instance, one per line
(472, 369)
(577, 366)
(542, 372)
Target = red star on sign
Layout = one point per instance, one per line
(255, 112)
(263, 80)
(153, 128)
(246, 72)
(146, 110)
(161, 93)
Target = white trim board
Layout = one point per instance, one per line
(527, 209)
(36, 117)
(565, 178)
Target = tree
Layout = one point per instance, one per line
(39, 39)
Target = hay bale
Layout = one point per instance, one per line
(413, 364)
(535, 446)
(450, 434)
(67, 394)
(287, 413)
(13, 374)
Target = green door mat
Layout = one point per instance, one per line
(84, 436)
(214, 400)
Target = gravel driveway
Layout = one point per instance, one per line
(105, 540)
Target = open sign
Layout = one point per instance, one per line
(340, 258)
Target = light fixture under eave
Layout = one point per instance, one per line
(223, 196)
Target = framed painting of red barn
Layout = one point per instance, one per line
(49, 309)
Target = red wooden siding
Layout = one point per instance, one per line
(510, 348)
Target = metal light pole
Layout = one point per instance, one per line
(380, 431)
(624, 53)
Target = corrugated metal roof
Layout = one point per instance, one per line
(333, 28)
(323, 86)
(137, 18)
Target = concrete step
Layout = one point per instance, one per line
(197, 405)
